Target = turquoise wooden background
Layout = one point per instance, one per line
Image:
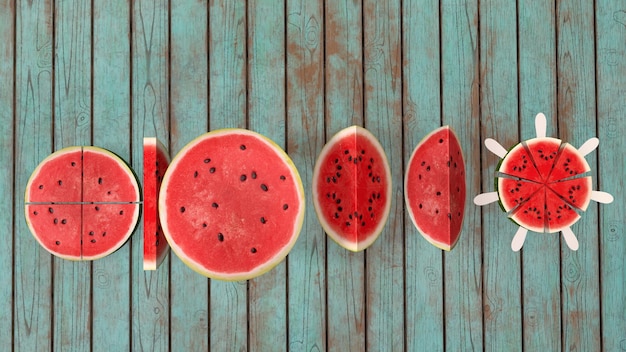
(109, 73)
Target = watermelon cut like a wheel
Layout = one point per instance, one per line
(82, 203)
(435, 188)
(352, 188)
(231, 204)
(155, 162)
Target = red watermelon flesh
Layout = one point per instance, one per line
(231, 204)
(67, 198)
(518, 191)
(435, 188)
(352, 188)
(519, 164)
(563, 191)
(155, 162)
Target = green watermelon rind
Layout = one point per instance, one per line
(279, 256)
(121, 163)
(440, 245)
(350, 245)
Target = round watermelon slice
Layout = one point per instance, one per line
(155, 161)
(231, 204)
(352, 188)
(542, 184)
(434, 188)
(82, 203)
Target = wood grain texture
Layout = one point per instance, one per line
(189, 109)
(383, 117)
(72, 126)
(111, 281)
(580, 286)
(461, 110)
(267, 295)
(345, 271)
(610, 19)
(499, 116)
(541, 292)
(7, 143)
(32, 264)
(423, 266)
(150, 117)
(228, 108)
(305, 138)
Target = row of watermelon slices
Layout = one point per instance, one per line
(231, 203)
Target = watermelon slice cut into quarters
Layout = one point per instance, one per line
(547, 193)
(352, 188)
(435, 188)
(82, 203)
(156, 159)
(231, 204)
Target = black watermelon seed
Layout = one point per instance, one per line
(420, 205)
(264, 187)
(285, 206)
(438, 193)
(121, 212)
(369, 208)
(99, 180)
(378, 179)
(347, 223)
(450, 216)
(362, 223)
(109, 192)
(57, 243)
(156, 243)
(182, 209)
(204, 224)
(63, 221)
(340, 208)
(263, 221)
(336, 160)
(215, 205)
(56, 221)
(327, 179)
(93, 240)
(362, 151)
(350, 216)
(207, 160)
(35, 212)
(60, 182)
(339, 167)
(428, 168)
(436, 211)
(242, 178)
(195, 174)
(97, 208)
(212, 170)
(253, 175)
(73, 163)
(423, 163)
(242, 147)
(372, 160)
(253, 250)
(40, 186)
(350, 158)
(334, 195)
(419, 176)
(91, 233)
(338, 175)
(104, 234)
(346, 151)
(338, 201)
(220, 237)
(440, 140)
(50, 210)
(336, 215)
(283, 178)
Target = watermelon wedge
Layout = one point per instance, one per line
(434, 188)
(542, 184)
(352, 188)
(155, 161)
(82, 203)
(231, 204)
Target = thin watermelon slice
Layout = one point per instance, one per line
(231, 204)
(518, 191)
(519, 163)
(569, 164)
(352, 188)
(155, 162)
(82, 203)
(435, 188)
(544, 152)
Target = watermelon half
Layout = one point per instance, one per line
(434, 188)
(82, 203)
(231, 204)
(352, 188)
(155, 161)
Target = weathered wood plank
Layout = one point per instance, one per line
(610, 69)
(383, 117)
(576, 108)
(267, 313)
(460, 96)
(111, 129)
(150, 117)
(189, 117)
(541, 292)
(499, 117)
(305, 138)
(228, 108)
(343, 77)
(422, 113)
(33, 265)
(7, 94)
(72, 126)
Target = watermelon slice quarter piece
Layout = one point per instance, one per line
(435, 188)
